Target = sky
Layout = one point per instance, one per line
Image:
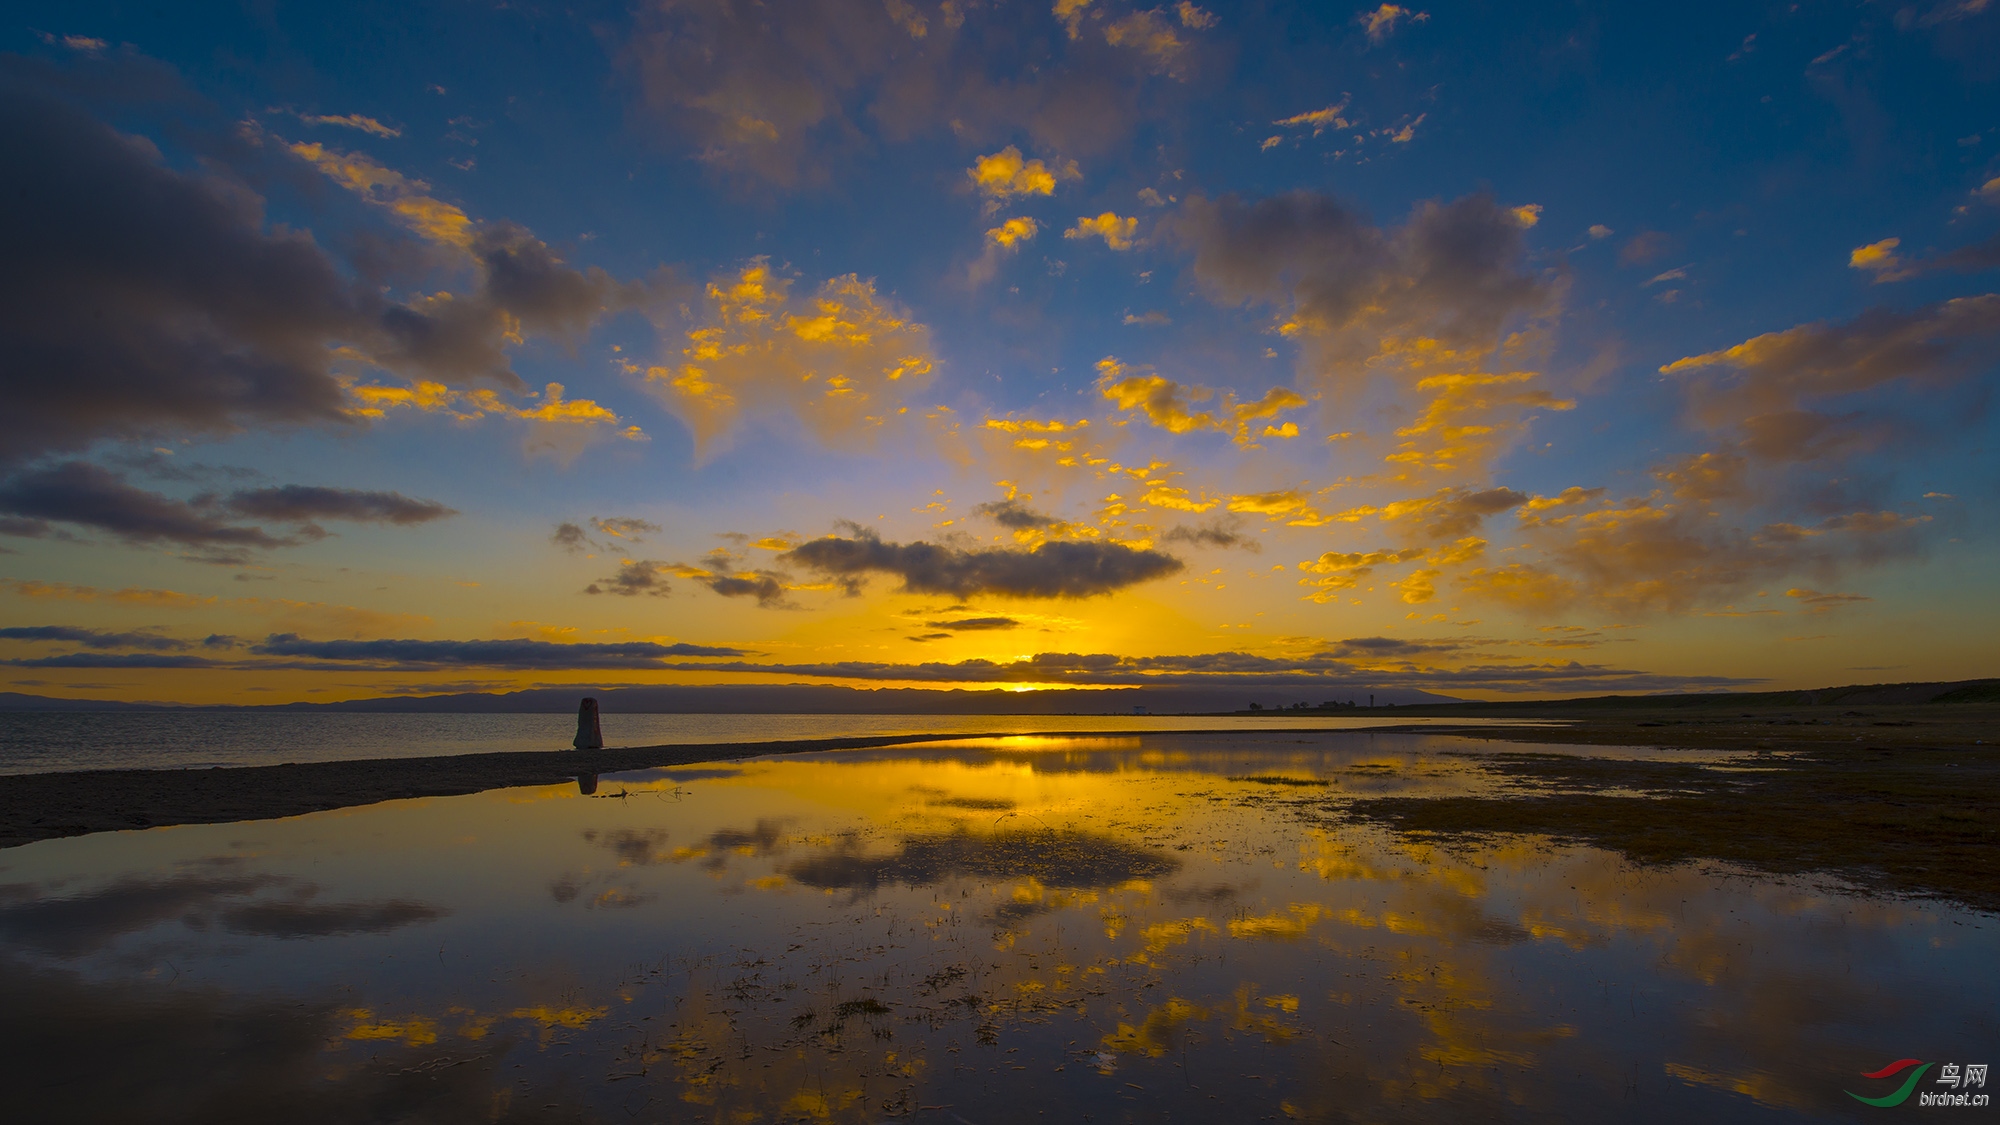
(1488, 350)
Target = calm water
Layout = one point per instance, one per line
(1122, 928)
(45, 742)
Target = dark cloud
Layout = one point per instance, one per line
(141, 300)
(94, 638)
(571, 538)
(1379, 647)
(768, 589)
(299, 503)
(73, 925)
(137, 300)
(115, 660)
(1215, 534)
(486, 654)
(1051, 570)
(634, 577)
(1013, 514)
(975, 624)
(1058, 858)
(291, 919)
(81, 493)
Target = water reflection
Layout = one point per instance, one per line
(1175, 927)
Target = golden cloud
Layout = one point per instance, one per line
(841, 360)
(1345, 570)
(1168, 404)
(1117, 233)
(407, 199)
(1013, 231)
(1381, 22)
(581, 417)
(1318, 120)
(1006, 175)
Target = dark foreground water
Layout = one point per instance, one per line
(1122, 928)
(48, 742)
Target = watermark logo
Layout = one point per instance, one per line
(1958, 1078)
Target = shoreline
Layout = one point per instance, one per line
(47, 806)
(1893, 799)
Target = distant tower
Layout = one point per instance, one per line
(1371, 700)
(589, 736)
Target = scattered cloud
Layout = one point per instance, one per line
(1778, 375)
(1422, 307)
(783, 103)
(1452, 512)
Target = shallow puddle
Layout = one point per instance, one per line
(1129, 928)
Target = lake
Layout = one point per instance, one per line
(53, 741)
(1124, 927)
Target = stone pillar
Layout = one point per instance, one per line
(589, 736)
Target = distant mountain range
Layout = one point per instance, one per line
(817, 699)
(802, 699)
